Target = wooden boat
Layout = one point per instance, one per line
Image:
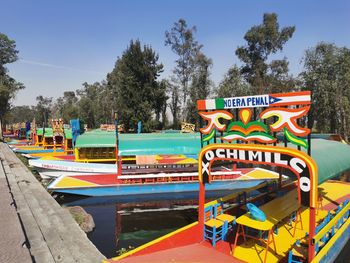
(143, 181)
(305, 221)
(100, 145)
(48, 141)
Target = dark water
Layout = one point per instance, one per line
(125, 223)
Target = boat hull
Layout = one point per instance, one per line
(50, 165)
(157, 188)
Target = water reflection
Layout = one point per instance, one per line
(132, 221)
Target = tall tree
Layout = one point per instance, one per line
(133, 81)
(262, 41)
(20, 114)
(182, 42)
(233, 85)
(8, 86)
(327, 74)
(175, 102)
(160, 103)
(200, 87)
(66, 107)
(43, 110)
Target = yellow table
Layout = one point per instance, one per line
(275, 211)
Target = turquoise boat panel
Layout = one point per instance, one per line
(144, 143)
(68, 133)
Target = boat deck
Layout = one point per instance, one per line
(334, 193)
(199, 252)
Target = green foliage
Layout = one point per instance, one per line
(96, 104)
(8, 52)
(66, 107)
(182, 42)
(134, 83)
(160, 104)
(233, 85)
(43, 110)
(8, 86)
(327, 74)
(262, 41)
(200, 87)
(20, 114)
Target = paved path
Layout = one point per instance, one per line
(33, 226)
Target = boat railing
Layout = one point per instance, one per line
(332, 231)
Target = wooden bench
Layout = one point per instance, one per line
(275, 211)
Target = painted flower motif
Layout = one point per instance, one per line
(248, 131)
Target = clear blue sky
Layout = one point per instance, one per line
(65, 43)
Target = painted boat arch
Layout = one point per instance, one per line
(301, 164)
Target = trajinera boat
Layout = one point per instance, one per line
(148, 164)
(303, 221)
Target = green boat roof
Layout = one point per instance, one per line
(48, 132)
(142, 144)
(332, 158)
(39, 131)
(68, 133)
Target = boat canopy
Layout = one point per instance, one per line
(39, 131)
(48, 132)
(68, 133)
(332, 158)
(144, 143)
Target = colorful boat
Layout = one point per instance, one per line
(157, 182)
(48, 141)
(303, 221)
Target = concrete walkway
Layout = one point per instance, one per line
(33, 226)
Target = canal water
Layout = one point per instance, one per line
(126, 223)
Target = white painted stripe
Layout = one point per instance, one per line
(210, 104)
(304, 98)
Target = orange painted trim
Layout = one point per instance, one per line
(201, 105)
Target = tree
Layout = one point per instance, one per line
(8, 52)
(233, 85)
(66, 107)
(181, 40)
(175, 102)
(8, 86)
(262, 41)
(20, 114)
(134, 83)
(88, 103)
(327, 74)
(160, 103)
(43, 110)
(200, 87)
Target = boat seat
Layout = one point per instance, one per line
(228, 220)
(214, 229)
